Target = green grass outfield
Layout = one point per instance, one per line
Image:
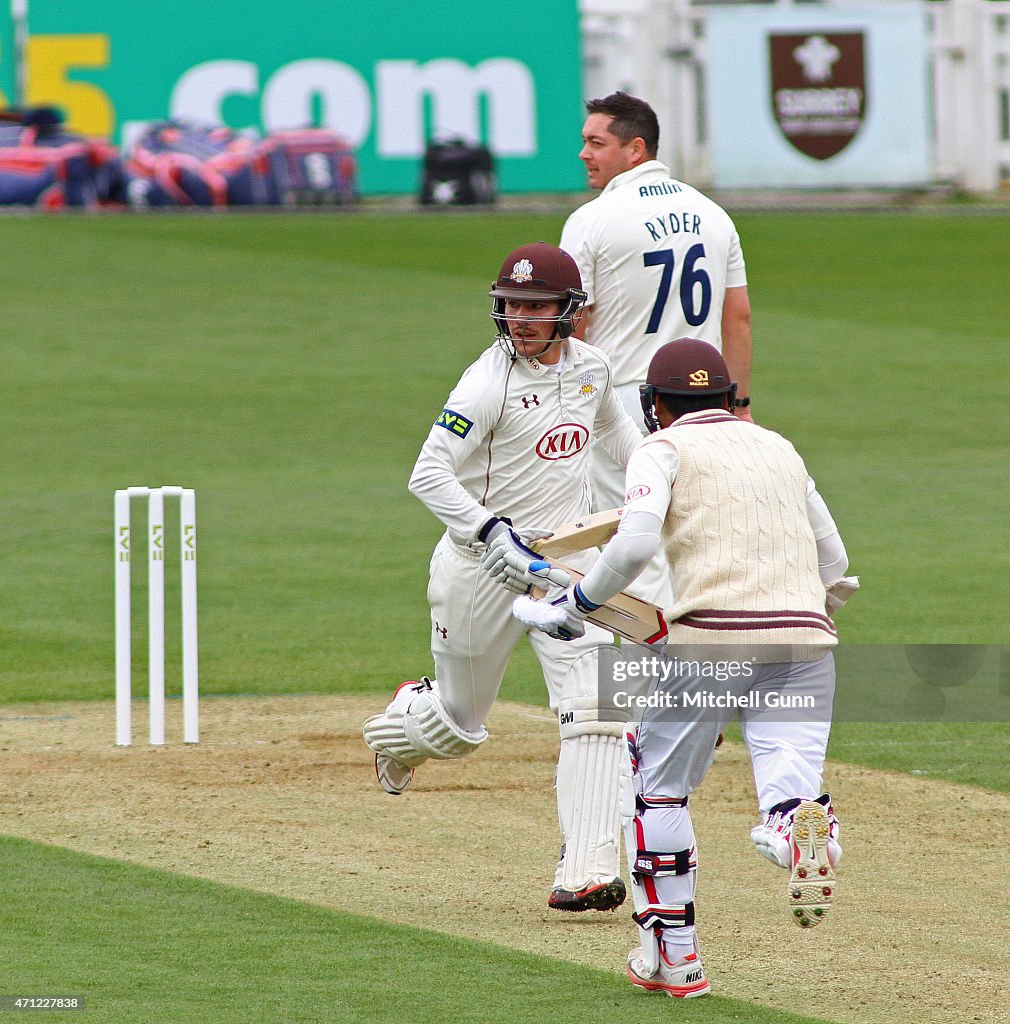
(145, 945)
(288, 368)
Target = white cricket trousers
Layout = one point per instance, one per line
(787, 748)
(474, 634)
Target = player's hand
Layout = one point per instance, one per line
(564, 618)
(571, 622)
(839, 592)
(517, 567)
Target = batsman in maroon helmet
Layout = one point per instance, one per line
(757, 567)
(505, 461)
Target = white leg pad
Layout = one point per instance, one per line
(432, 731)
(415, 726)
(663, 877)
(588, 785)
(581, 716)
(626, 795)
(385, 733)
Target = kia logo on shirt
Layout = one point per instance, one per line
(563, 441)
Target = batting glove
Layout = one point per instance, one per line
(570, 611)
(517, 567)
(839, 592)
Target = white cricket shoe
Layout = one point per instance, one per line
(812, 882)
(684, 979)
(773, 837)
(393, 776)
(395, 758)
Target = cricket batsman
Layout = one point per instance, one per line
(507, 459)
(759, 566)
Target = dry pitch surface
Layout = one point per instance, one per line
(280, 797)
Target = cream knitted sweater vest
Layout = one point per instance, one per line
(738, 540)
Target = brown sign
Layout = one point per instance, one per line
(818, 89)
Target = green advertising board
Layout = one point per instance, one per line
(387, 76)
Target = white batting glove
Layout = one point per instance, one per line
(563, 618)
(840, 591)
(517, 567)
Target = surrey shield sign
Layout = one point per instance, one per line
(818, 89)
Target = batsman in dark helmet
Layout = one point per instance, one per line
(505, 462)
(690, 375)
(758, 568)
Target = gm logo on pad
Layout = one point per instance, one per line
(454, 423)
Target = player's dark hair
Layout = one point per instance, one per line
(681, 405)
(632, 119)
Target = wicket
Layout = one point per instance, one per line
(156, 612)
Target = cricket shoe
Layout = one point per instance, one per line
(773, 837)
(395, 756)
(812, 882)
(595, 896)
(684, 979)
(393, 776)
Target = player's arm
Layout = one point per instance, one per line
(624, 558)
(471, 412)
(832, 559)
(737, 343)
(619, 434)
(736, 324)
(649, 478)
(459, 430)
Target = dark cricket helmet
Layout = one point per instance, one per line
(687, 367)
(539, 272)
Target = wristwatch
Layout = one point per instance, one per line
(741, 403)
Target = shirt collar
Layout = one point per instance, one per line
(573, 355)
(706, 416)
(629, 177)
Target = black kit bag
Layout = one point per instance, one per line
(457, 173)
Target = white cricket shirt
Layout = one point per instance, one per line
(513, 441)
(656, 257)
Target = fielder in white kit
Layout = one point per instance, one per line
(659, 260)
(758, 564)
(507, 460)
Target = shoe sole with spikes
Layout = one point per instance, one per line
(812, 882)
(606, 896)
(393, 776)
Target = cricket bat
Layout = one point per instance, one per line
(588, 532)
(629, 617)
